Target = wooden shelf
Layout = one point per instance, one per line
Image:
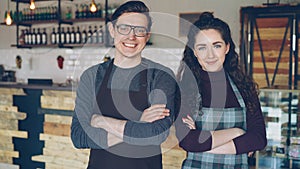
(63, 21)
(34, 46)
(28, 1)
(60, 45)
(84, 20)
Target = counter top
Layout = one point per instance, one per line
(37, 86)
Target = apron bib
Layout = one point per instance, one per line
(124, 155)
(212, 119)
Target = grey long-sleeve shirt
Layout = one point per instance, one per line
(161, 90)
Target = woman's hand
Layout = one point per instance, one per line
(155, 112)
(189, 122)
(250, 154)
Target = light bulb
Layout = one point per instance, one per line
(32, 5)
(8, 19)
(93, 7)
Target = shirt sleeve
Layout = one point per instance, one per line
(256, 133)
(163, 88)
(187, 103)
(192, 140)
(83, 135)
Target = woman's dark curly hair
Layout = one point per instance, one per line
(245, 84)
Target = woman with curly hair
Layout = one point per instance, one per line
(220, 120)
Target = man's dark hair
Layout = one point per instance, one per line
(132, 6)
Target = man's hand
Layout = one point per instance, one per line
(155, 112)
(111, 125)
(98, 121)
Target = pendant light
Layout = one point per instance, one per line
(93, 7)
(32, 5)
(8, 19)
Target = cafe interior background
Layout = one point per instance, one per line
(62, 63)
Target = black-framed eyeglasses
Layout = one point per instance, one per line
(138, 31)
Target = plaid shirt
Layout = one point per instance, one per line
(212, 119)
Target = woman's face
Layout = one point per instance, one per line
(210, 50)
(130, 45)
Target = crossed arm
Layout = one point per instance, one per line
(115, 128)
(222, 140)
(92, 131)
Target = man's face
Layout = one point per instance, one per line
(129, 36)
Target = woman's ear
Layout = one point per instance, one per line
(111, 29)
(195, 53)
(228, 48)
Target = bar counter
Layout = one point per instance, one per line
(47, 144)
(36, 86)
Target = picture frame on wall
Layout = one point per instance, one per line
(185, 20)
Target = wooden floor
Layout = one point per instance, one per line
(8, 166)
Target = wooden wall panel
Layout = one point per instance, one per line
(271, 32)
(58, 151)
(9, 119)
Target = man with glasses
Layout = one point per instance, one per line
(125, 106)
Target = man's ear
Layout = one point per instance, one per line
(111, 29)
(148, 36)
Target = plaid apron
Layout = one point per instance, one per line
(212, 119)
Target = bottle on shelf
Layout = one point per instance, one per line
(80, 11)
(68, 14)
(89, 14)
(78, 36)
(38, 37)
(37, 14)
(73, 36)
(89, 35)
(54, 13)
(58, 40)
(26, 37)
(100, 35)
(62, 36)
(77, 11)
(22, 37)
(95, 35)
(29, 36)
(99, 11)
(84, 36)
(44, 37)
(45, 14)
(17, 16)
(25, 15)
(48, 13)
(33, 37)
(53, 36)
(32, 15)
(68, 36)
(83, 11)
(42, 17)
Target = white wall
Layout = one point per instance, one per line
(167, 48)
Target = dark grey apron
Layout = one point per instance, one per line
(112, 158)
